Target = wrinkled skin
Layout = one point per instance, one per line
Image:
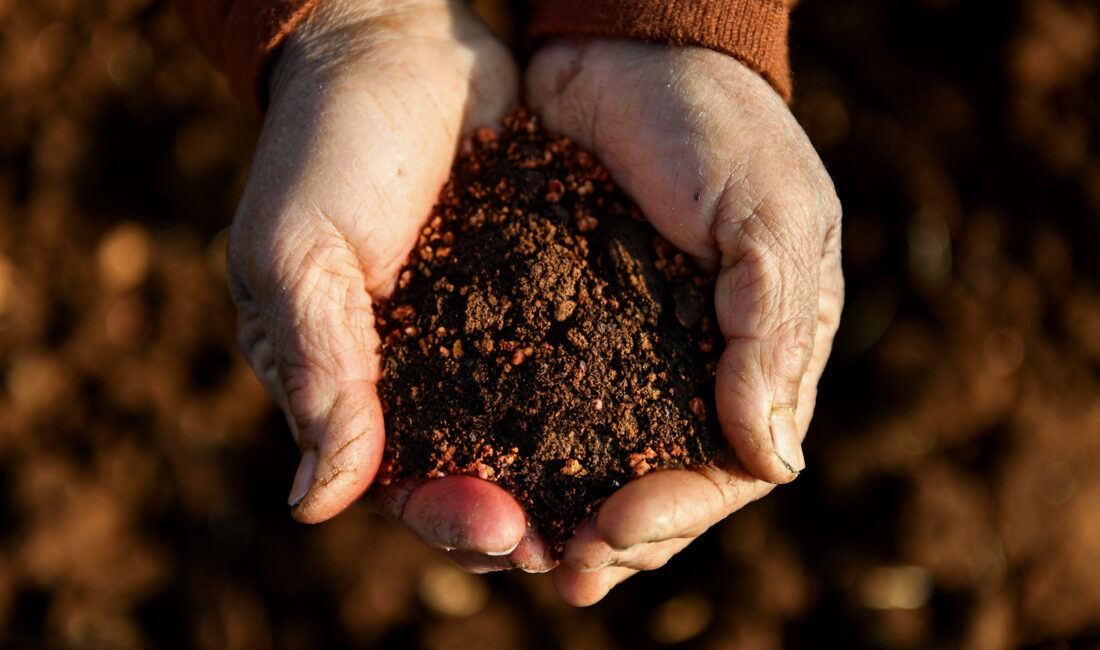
(720, 167)
(368, 102)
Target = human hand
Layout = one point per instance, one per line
(368, 102)
(719, 166)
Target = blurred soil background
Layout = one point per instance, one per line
(952, 498)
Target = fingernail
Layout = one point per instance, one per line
(303, 478)
(536, 570)
(785, 438)
(502, 553)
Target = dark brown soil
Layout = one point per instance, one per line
(544, 337)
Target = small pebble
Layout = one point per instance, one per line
(403, 312)
(587, 223)
(554, 190)
(485, 135)
(564, 309)
(572, 467)
(698, 407)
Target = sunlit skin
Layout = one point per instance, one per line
(368, 103)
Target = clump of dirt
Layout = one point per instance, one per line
(543, 336)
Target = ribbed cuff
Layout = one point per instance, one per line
(752, 31)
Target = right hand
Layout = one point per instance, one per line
(368, 102)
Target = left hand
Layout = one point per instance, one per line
(720, 167)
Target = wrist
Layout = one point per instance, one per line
(752, 31)
(700, 75)
(337, 33)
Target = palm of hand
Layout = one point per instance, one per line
(716, 162)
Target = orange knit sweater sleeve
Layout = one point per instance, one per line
(241, 36)
(752, 31)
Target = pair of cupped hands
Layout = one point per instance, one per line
(368, 102)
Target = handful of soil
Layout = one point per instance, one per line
(543, 336)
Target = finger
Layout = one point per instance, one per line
(586, 552)
(584, 589)
(647, 557)
(391, 500)
(674, 504)
(531, 556)
(830, 305)
(307, 328)
(766, 298)
(474, 562)
(466, 514)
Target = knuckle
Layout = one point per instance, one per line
(770, 296)
(741, 390)
(795, 349)
(830, 206)
(303, 383)
(832, 305)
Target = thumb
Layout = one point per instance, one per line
(306, 325)
(766, 299)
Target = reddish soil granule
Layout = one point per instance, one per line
(543, 336)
